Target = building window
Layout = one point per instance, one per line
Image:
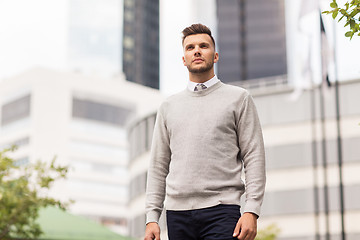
(99, 150)
(83, 166)
(150, 129)
(140, 136)
(129, 15)
(129, 42)
(128, 56)
(138, 185)
(137, 225)
(15, 110)
(97, 188)
(129, 3)
(102, 112)
(113, 221)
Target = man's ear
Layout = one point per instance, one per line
(183, 59)
(216, 57)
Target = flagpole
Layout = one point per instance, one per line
(323, 140)
(324, 162)
(339, 139)
(307, 7)
(315, 161)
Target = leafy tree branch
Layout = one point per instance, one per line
(23, 191)
(350, 13)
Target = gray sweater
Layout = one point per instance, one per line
(201, 142)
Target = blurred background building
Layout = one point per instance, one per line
(295, 155)
(141, 42)
(251, 39)
(82, 121)
(301, 189)
(84, 112)
(140, 136)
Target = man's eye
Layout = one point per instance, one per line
(190, 47)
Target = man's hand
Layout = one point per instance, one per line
(152, 231)
(246, 227)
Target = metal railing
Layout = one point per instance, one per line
(280, 81)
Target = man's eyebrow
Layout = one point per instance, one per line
(201, 43)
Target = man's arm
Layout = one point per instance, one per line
(157, 172)
(253, 155)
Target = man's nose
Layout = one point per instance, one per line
(197, 51)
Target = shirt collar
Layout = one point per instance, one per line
(191, 85)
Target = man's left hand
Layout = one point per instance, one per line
(246, 227)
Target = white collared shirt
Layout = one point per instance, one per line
(191, 85)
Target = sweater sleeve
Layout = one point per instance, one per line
(158, 169)
(253, 155)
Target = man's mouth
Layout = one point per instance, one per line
(198, 60)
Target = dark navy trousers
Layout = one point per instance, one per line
(213, 223)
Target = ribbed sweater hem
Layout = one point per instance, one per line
(197, 202)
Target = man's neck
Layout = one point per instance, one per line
(201, 77)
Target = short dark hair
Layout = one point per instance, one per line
(197, 29)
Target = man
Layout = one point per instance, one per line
(203, 138)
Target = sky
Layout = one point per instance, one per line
(31, 35)
(35, 33)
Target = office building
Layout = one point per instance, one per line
(83, 121)
(294, 199)
(141, 42)
(251, 39)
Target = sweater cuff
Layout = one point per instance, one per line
(152, 216)
(252, 207)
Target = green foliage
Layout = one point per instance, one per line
(23, 191)
(269, 233)
(350, 12)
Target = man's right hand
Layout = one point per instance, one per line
(152, 231)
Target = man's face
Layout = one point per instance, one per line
(199, 53)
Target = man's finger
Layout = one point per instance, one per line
(147, 237)
(242, 235)
(252, 236)
(157, 236)
(237, 229)
(247, 234)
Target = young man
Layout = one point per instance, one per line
(203, 138)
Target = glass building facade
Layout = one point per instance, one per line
(141, 42)
(15, 110)
(251, 39)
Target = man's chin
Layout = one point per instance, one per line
(199, 69)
